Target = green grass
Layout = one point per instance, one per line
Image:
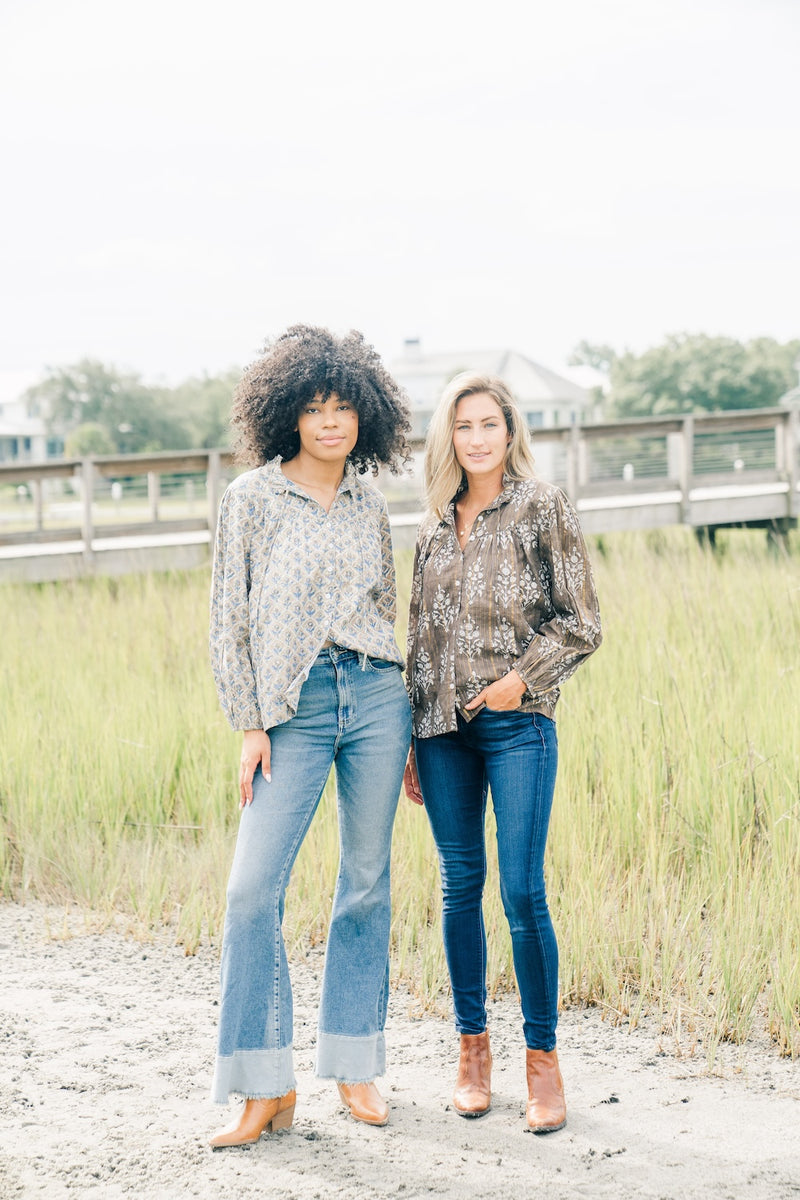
(674, 853)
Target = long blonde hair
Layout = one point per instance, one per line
(443, 475)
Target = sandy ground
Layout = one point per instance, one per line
(107, 1048)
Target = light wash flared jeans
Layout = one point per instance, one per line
(354, 713)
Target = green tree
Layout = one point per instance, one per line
(201, 406)
(91, 393)
(593, 354)
(89, 438)
(698, 373)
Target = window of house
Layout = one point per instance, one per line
(535, 419)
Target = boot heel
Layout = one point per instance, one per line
(282, 1119)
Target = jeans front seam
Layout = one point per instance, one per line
(280, 891)
(371, 749)
(347, 709)
(550, 985)
(482, 947)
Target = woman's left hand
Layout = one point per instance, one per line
(503, 695)
(411, 779)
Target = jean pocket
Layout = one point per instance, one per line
(381, 664)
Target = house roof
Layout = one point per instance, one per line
(22, 427)
(425, 375)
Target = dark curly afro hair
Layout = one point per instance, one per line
(308, 361)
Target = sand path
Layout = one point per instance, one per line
(106, 1052)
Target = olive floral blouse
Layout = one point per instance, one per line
(520, 595)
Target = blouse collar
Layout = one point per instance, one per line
(501, 498)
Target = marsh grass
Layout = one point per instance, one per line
(674, 853)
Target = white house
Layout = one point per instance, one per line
(23, 433)
(547, 400)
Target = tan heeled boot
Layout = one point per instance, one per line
(473, 1094)
(256, 1117)
(364, 1102)
(547, 1109)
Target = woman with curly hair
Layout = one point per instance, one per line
(503, 611)
(307, 667)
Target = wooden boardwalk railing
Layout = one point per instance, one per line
(68, 517)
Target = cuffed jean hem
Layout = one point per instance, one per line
(254, 1074)
(350, 1059)
(546, 1046)
(470, 1029)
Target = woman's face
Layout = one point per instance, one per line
(480, 436)
(328, 429)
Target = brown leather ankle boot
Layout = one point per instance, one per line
(255, 1117)
(473, 1094)
(547, 1110)
(364, 1102)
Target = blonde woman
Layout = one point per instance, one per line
(503, 611)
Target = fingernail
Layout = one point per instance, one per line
(268, 778)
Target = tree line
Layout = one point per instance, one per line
(693, 373)
(93, 408)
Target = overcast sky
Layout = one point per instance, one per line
(183, 179)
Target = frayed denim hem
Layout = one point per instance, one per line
(254, 1074)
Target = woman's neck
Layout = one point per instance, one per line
(310, 472)
(481, 490)
(320, 480)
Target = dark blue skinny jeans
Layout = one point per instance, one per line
(515, 756)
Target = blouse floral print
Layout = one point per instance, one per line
(521, 595)
(289, 576)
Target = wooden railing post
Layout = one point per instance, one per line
(674, 456)
(153, 493)
(781, 430)
(213, 476)
(573, 463)
(791, 451)
(87, 501)
(583, 460)
(686, 468)
(38, 504)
